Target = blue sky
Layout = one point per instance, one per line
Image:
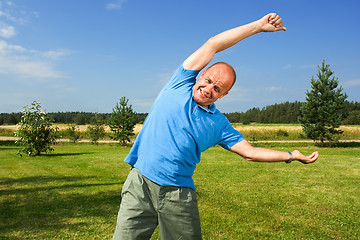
(85, 55)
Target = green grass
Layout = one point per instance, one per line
(242, 200)
(74, 193)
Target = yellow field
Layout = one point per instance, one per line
(259, 131)
(81, 128)
(293, 131)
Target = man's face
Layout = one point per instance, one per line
(214, 83)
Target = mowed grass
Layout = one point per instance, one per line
(74, 193)
(247, 200)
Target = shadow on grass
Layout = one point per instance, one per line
(7, 143)
(49, 205)
(63, 154)
(340, 145)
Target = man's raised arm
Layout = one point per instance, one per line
(201, 57)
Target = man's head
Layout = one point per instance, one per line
(214, 83)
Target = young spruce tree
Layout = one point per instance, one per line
(320, 114)
(122, 121)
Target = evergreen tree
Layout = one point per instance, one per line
(321, 113)
(122, 121)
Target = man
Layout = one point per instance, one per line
(182, 123)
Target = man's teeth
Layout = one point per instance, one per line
(202, 92)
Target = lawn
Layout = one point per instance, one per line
(74, 193)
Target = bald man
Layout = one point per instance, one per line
(183, 122)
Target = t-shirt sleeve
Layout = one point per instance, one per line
(181, 77)
(229, 136)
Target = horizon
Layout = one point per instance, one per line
(261, 108)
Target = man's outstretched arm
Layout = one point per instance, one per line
(201, 57)
(250, 153)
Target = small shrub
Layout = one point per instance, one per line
(281, 133)
(97, 130)
(35, 131)
(73, 134)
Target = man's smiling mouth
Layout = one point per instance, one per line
(203, 93)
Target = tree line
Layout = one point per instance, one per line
(287, 112)
(78, 118)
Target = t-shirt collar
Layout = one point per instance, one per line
(211, 108)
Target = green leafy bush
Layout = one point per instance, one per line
(35, 131)
(97, 130)
(73, 134)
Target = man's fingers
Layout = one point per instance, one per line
(305, 159)
(276, 22)
(314, 156)
(279, 24)
(273, 18)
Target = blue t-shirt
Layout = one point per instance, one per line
(175, 133)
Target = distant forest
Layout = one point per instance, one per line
(287, 112)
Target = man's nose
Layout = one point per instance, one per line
(208, 88)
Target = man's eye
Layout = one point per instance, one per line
(217, 89)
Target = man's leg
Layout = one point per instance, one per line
(178, 214)
(137, 218)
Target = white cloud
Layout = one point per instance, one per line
(6, 48)
(287, 66)
(115, 5)
(52, 54)
(237, 94)
(142, 104)
(352, 83)
(164, 76)
(20, 62)
(273, 89)
(9, 12)
(7, 31)
(17, 61)
(27, 68)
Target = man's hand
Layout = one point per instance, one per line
(305, 159)
(271, 23)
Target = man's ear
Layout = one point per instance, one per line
(203, 73)
(223, 95)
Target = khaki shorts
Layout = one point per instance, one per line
(145, 205)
